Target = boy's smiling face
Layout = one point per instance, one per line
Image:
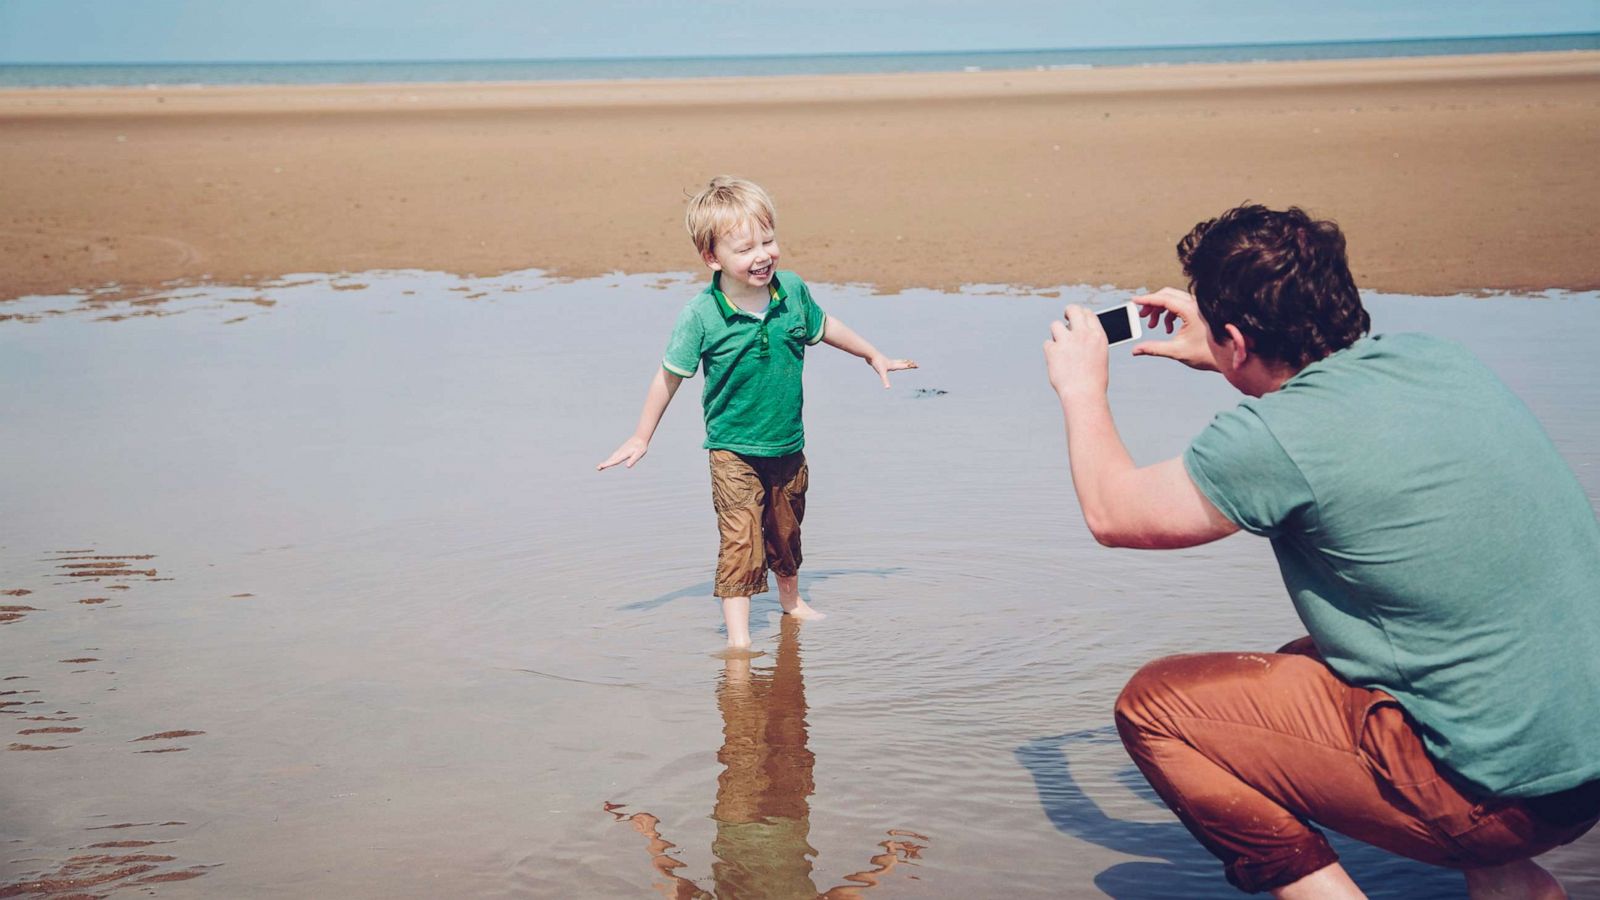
(747, 256)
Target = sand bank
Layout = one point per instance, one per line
(1449, 173)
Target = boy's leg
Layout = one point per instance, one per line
(736, 615)
(737, 494)
(1247, 749)
(789, 598)
(786, 480)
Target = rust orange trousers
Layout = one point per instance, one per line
(1250, 749)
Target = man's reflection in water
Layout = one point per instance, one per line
(762, 813)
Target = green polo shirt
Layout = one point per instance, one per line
(1436, 546)
(753, 393)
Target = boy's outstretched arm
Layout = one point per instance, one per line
(837, 334)
(662, 387)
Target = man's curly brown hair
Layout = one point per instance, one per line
(1281, 278)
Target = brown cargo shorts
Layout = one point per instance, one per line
(760, 502)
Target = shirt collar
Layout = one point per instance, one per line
(728, 310)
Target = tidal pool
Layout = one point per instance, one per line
(314, 591)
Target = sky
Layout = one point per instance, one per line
(81, 31)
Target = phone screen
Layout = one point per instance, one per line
(1116, 324)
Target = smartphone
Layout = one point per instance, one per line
(1120, 322)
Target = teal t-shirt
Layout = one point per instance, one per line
(1436, 546)
(753, 393)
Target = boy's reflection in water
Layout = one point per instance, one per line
(762, 813)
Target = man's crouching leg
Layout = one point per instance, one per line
(1244, 748)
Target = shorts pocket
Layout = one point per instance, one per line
(734, 484)
(1496, 832)
(801, 481)
(1390, 743)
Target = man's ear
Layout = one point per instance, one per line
(1237, 345)
(711, 260)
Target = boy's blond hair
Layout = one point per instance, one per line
(725, 204)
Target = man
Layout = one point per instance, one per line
(1440, 552)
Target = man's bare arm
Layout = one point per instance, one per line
(1153, 507)
(1156, 507)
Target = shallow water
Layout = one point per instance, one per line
(396, 638)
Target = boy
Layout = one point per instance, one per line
(749, 330)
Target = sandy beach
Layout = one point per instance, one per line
(1449, 173)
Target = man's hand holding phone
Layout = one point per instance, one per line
(1075, 355)
(1188, 345)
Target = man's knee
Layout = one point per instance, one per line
(1187, 685)
(1147, 696)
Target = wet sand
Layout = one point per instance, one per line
(358, 619)
(1450, 174)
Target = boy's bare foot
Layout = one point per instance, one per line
(789, 600)
(803, 611)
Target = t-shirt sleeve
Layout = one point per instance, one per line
(685, 346)
(816, 319)
(1243, 470)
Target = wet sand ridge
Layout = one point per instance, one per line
(1450, 173)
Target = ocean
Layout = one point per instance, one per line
(134, 75)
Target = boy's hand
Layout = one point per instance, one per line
(1075, 355)
(884, 365)
(632, 450)
(1189, 345)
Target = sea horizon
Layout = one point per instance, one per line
(137, 74)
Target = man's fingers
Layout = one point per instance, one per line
(1082, 321)
(1058, 332)
(1170, 299)
(1154, 348)
(1174, 309)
